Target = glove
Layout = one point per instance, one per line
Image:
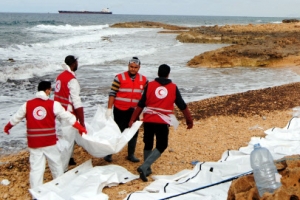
(80, 115)
(135, 115)
(80, 128)
(108, 113)
(7, 128)
(188, 118)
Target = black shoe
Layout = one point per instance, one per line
(132, 158)
(108, 158)
(142, 174)
(72, 162)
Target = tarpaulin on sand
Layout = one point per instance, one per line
(211, 180)
(84, 182)
(206, 181)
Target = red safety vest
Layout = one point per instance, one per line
(160, 99)
(62, 92)
(130, 92)
(40, 123)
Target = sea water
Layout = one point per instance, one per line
(33, 48)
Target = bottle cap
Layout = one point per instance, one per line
(257, 146)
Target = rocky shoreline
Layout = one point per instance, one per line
(262, 45)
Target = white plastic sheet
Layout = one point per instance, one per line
(65, 142)
(84, 182)
(211, 180)
(208, 180)
(104, 136)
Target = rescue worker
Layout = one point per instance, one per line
(40, 114)
(67, 90)
(126, 91)
(158, 103)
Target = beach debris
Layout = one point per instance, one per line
(296, 111)
(194, 162)
(122, 192)
(5, 196)
(256, 127)
(106, 38)
(5, 182)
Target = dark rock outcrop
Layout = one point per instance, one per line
(290, 20)
(267, 45)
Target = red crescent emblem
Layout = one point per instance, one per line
(57, 86)
(161, 92)
(38, 112)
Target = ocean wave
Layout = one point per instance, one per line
(21, 71)
(28, 22)
(66, 27)
(276, 22)
(263, 21)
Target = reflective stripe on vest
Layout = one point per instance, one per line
(62, 101)
(160, 109)
(62, 92)
(159, 105)
(40, 124)
(123, 76)
(127, 99)
(40, 135)
(130, 92)
(41, 129)
(66, 99)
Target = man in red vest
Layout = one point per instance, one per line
(125, 93)
(67, 90)
(158, 103)
(40, 114)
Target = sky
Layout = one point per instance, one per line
(251, 8)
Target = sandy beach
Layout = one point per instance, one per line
(211, 135)
(221, 123)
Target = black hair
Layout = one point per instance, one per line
(164, 70)
(69, 60)
(44, 85)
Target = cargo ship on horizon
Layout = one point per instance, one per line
(103, 11)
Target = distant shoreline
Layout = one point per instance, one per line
(260, 45)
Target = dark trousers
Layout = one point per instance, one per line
(161, 133)
(122, 118)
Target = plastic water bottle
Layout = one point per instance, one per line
(264, 170)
